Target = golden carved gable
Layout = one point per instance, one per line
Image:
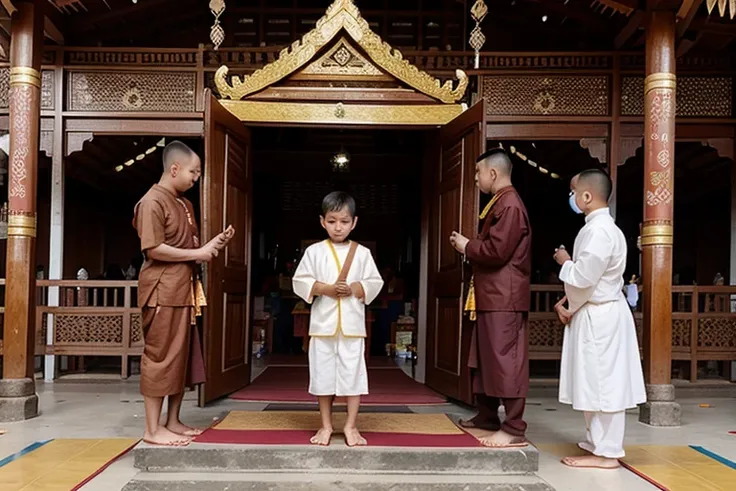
(341, 19)
(342, 60)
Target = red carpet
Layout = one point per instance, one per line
(301, 437)
(387, 386)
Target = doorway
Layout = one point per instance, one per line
(293, 169)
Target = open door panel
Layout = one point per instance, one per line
(226, 197)
(454, 207)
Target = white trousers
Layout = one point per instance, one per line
(337, 366)
(605, 434)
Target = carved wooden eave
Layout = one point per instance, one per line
(342, 31)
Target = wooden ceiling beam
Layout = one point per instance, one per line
(686, 15)
(89, 23)
(632, 26)
(53, 24)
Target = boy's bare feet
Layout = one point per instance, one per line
(591, 462)
(164, 437)
(322, 437)
(501, 439)
(181, 429)
(353, 438)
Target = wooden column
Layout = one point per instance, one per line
(657, 235)
(17, 394)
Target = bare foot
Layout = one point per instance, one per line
(501, 439)
(353, 438)
(166, 438)
(322, 437)
(591, 462)
(181, 429)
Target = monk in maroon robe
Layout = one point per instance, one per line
(169, 296)
(501, 260)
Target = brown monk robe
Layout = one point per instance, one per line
(166, 295)
(501, 260)
(169, 294)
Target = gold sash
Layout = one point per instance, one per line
(470, 300)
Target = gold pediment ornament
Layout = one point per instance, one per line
(341, 15)
(342, 59)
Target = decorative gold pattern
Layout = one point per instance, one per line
(478, 11)
(717, 332)
(21, 225)
(88, 329)
(20, 130)
(656, 234)
(117, 57)
(553, 95)
(696, 96)
(23, 75)
(132, 91)
(662, 80)
(342, 59)
(658, 148)
(341, 15)
(287, 112)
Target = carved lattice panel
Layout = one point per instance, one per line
(696, 96)
(132, 91)
(553, 95)
(136, 329)
(546, 333)
(89, 329)
(717, 332)
(4, 87)
(681, 332)
(47, 88)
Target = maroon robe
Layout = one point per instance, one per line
(501, 260)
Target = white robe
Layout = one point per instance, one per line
(330, 315)
(601, 366)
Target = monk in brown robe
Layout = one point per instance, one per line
(501, 260)
(169, 294)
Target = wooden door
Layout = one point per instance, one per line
(226, 198)
(454, 206)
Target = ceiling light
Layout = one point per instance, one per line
(141, 157)
(118, 168)
(129, 163)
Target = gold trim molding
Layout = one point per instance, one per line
(21, 225)
(662, 80)
(343, 114)
(657, 235)
(23, 75)
(341, 15)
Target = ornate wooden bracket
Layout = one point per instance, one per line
(75, 141)
(724, 146)
(627, 148)
(596, 147)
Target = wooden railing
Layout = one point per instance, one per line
(93, 318)
(102, 318)
(703, 324)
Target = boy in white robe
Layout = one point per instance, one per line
(337, 319)
(601, 371)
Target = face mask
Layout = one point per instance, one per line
(573, 205)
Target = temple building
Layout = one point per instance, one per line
(391, 101)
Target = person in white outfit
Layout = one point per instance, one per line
(340, 278)
(601, 372)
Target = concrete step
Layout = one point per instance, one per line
(337, 458)
(326, 482)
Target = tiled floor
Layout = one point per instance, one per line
(115, 409)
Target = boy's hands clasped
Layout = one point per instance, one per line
(341, 289)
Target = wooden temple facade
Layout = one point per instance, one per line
(340, 74)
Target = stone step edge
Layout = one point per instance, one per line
(516, 461)
(242, 477)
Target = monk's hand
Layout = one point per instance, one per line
(342, 289)
(561, 256)
(459, 242)
(357, 290)
(563, 314)
(208, 251)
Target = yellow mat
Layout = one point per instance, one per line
(419, 424)
(674, 468)
(61, 464)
